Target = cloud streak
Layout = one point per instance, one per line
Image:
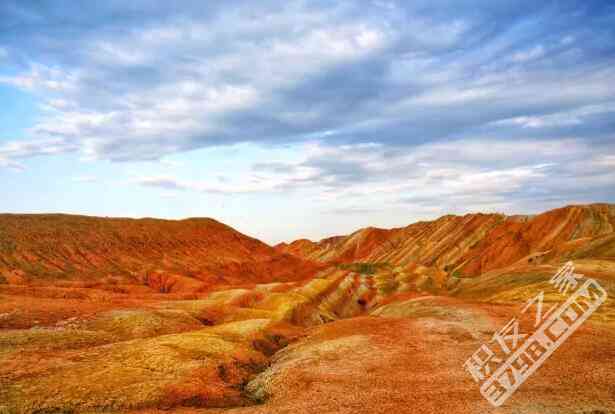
(512, 175)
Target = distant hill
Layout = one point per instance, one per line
(190, 253)
(196, 254)
(473, 244)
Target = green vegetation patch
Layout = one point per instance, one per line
(365, 268)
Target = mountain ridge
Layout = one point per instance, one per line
(471, 244)
(42, 246)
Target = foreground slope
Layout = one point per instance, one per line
(310, 347)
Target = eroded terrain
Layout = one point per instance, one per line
(364, 334)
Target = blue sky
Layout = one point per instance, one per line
(306, 119)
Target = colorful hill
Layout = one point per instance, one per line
(473, 244)
(184, 255)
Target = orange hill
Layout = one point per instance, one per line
(474, 243)
(192, 253)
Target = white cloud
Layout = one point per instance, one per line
(43, 79)
(451, 96)
(576, 116)
(530, 54)
(607, 161)
(26, 149)
(250, 184)
(10, 164)
(373, 176)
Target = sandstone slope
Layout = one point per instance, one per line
(473, 244)
(168, 255)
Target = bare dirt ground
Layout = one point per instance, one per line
(410, 364)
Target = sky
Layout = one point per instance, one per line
(305, 119)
